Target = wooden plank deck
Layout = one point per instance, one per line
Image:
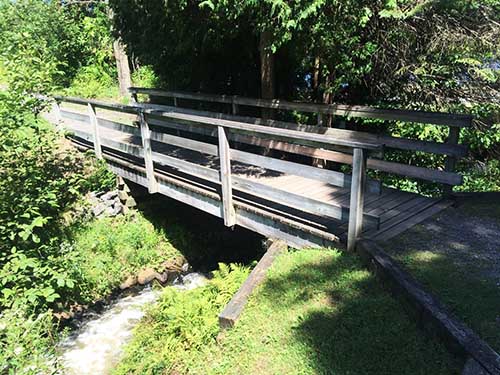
(396, 210)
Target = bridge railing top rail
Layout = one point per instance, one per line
(318, 136)
(423, 117)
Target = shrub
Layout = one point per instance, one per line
(180, 324)
(482, 177)
(93, 82)
(27, 343)
(39, 181)
(145, 77)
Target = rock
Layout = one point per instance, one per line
(173, 264)
(109, 203)
(99, 209)
(123, 195)
(185, 267)
(109, 195)
(63, 315)
(129, 282)
(130, 202)
(147, 275)
(163, 277)
(112, 211)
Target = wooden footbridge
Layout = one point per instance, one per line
(257, 173)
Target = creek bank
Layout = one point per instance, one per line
(96, 344)
(167, 273)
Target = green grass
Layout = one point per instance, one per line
(182, 323)
(457, 270)
(107, 250)
(470, 296)
(318, 312)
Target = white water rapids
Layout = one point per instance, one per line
(95, 348)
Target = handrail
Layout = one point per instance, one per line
(98, 104)
(423, 117)
(317, 137)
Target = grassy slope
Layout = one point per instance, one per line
(107, 250)
(317, 312)
(459, 275)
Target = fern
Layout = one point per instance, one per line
(181, 324)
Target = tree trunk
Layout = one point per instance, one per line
(122, 66)
(315, 82)
(121, 58)
(267, 87)
(327, 99)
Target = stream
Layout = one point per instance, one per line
(95, 347)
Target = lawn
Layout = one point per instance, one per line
(318, 312)
(456, 255)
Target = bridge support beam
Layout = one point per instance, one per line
(95, 130)
(358, 183)
(228, 211)
(148, 158)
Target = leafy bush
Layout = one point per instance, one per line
(40, 44)
(145, 77)
(93, 81)
(482, 177)
(39, 181)
(180, 324)
(97, 175)
(27, 343)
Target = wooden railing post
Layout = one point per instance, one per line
(95, 131)
(234, 106)
(225, 178)
(148, 158)
(320, 119)
(56, 108)
(357, 198)
(451, 160)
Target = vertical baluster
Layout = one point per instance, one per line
(234, 107)
(133, 95)
(225, 178)
(148, 158)
(357, 198)
(56, 107)
(451, 160)
(95, 130)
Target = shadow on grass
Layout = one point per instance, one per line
(463, 289)
(350, 324)
(200, 237)
(456, 256)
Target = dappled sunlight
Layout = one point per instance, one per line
(456, 257)
(342, 315)
(424, 256)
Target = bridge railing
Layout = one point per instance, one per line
(451, 148)
(294, 140)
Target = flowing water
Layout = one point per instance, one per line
(96, 346)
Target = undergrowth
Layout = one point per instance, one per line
(105, 251)
(180, 325)
(318, 312)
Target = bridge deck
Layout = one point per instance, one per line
(395, 210)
